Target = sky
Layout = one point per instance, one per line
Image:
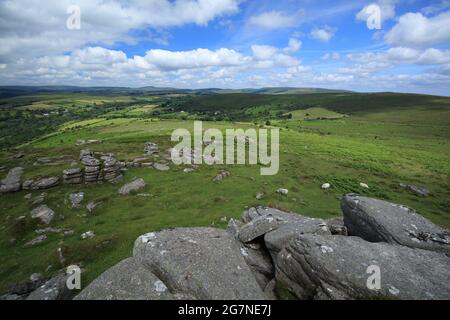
(384, 45)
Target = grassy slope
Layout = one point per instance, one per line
(374, 148)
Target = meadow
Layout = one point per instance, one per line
(343, 139)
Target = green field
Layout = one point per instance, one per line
(340, 138)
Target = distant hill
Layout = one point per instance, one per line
(13, 91)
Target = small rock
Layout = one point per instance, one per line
(283, 191)
(92, 205)
(43, 213)
(135, 185)
(259, 195)
(76, 199)
(88, 235)
(363, 185)
(161, 167)
(326, 186)
(36, 241)
(188, 170)
(35, 277)
(28, 196)
(221, 175)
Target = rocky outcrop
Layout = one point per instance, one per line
(12, 181)
(44, 183)
(91, 169)
(134, 185)
(380, 221)
(336, 267)
(53, 289)
(73, 176)
(111, 170)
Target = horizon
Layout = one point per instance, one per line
(229, 44)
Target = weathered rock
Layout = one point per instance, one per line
(221, 175)
(326, 186)
(43, 213)
(128, 280)
(420, 191)
(53, 289)
(150, 149)
(73, 176)
(90, 161)
(12, 181)
(161, 167)
(188, 170)
(86, 153)
(36, 241)
(26, 185)
(204, 263)
(257, 227)
(76, 199)
(259, 195)
(336, 267)
(45, 183)
(135, 185)
(381, 221)
(337, 226)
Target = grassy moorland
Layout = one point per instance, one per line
(340, 138)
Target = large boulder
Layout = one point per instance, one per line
(45, 183)
(12, 181)
(128, 280)
(339, 267)
(204, 263)
(134, 185)
(380, 221)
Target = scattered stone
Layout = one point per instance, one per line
(144, 195)
(221, 175)
(76, 199)
(326, 186)
(12, 181)
(283, 192)
(39, 199)
(363, 185)
(81, 142)
(259, 195)
(28, 196)
(419, 191)
(203, 263)
(36, 241)
(26, 185)
(43, 213)
(68, 233)
(150, 149)
(188, 170)
(380, 221)
(335, 267)
(161, 167)
(48, 230)
(135, 185)
(35, 277)
(45, 183)
(92, 205)
(88, 235)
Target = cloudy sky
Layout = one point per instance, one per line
(228, 44)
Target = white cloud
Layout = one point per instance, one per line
(28, 24)
(294, 45)
(323, 34)
(417, 30)
(331, 56)
(387, 8)
(276, 20)
(403, 55)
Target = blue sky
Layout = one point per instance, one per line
(228, 44)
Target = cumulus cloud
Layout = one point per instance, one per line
(331, 56)
(323, 34)
(276, 20)
(417, 30)
(403, 55)
(387, 8)
(38, 27)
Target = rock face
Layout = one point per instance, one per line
(111, 170)
(204, 263)
(134, 185)
(91, 169)
(53, 289)
(43, 213)
(12, 181)
(381, 221)
(73, 176)
(335, 267)
(128, 280)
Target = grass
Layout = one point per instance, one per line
(381, 149)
